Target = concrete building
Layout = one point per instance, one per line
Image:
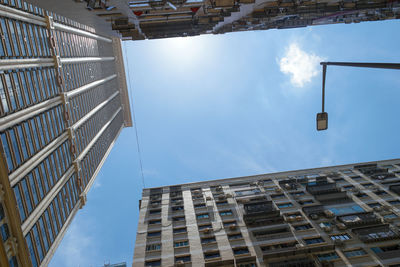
(63, 103)
(150, 19)
(344, 215)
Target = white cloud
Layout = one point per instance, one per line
(300, 65)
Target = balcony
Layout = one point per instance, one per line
(301, 262)
(280, 232)
(296, 250)
(371, 169)
(261, 212)
(358, 219)
(332, 197)
(289, 184)
(314, 210)
(376, 233)
(321, 188)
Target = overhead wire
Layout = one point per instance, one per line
(134, 116)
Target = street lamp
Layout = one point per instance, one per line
(322, 118)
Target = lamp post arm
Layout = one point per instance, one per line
(394, 66)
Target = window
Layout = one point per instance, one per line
(202, 216)
(154, 234)
(278, 246)
(327, 256)
(177, 208)
(205, 226)
(1, 212)
(380, 193)
(224, 202)
(158, 211)
(300, 193)
(373, 205)
(385, 249)
(367, 184)
(246, 265)
(152, 247)
(315, 240)
(355, 253)
(302, 227)
(211, 255)
(152, 263)
(183, 258)
(229, 223)
(277, 196)
(394, 202)
(201, 205)
(284, 205)
(247, 192)
(325, 224)
(348, 187)
(390, 216)
(181, 244)
(207, 240)
(346, 210)
(306, 202)
(179, 230)
(155, 203)
(225, 213)
(240, 251)
(5, 233)
(235, 236)
(342, 237)
(178, 219)
(155, 222)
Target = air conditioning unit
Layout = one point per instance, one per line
(314, 216)
(287, 186)
(219, 188)
(327, 228)
(207, 231)
(378, 208)
(341, 226)
(232, 227)
(228, 195)
(329, 214)
(355, 190)
(253, 184)
(208, 198)
(180, 263)
(221, 197)
(278, 189)
(260, 183)
(299, 218)
(290, 218)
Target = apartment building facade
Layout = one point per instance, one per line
(344, 215)
(63, 103)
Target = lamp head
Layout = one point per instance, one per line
(322, 121)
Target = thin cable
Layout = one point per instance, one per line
(134, 117)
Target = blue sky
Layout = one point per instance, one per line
(220, 106)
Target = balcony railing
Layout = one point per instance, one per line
(376, 233)
(358, 219)
(322, 188)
